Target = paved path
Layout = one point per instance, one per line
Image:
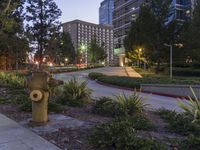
(155, 101)
(132, 73)
(15, 137)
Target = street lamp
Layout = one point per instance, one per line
(171, 58)
(84, 49)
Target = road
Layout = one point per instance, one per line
(154, 101)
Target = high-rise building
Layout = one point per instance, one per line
(106, 12)
(125, 11)
(82, 33)
(182, 9)
(193, 3)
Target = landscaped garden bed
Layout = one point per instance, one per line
(130, 82)
(120, 122)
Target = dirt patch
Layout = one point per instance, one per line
(75, 139)
(11, 111)
(85, 114)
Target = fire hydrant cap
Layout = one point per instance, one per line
(36, 95)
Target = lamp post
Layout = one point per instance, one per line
(84, 49)
(66, 60)
(171, 59)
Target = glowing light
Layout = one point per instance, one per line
(50, 64)
(83, 47)
(36, 62)
(66, 59)
(44, 59)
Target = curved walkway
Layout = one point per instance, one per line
(154, 101)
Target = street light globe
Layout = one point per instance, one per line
(51, 64)
(66, 59)
(83, 47)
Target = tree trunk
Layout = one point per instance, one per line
(158, 66)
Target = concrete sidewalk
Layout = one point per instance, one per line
(15, 137)
(132, 73)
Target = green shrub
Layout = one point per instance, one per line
(75, 93)
(24, 103)
(13, 80)
(121, 135)
(133, 83)
(191, 143)
(121, 105)
(95, 75)
(192, 107)
(55, 107)
(180, 122)
(104, 106)
(141, 122)
(191, 72)
(131, 104)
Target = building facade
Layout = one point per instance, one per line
(82, 33)
(125, 12)
(183, 9)
(106, 12)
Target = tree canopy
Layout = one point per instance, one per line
(43, 17)
(151, 30)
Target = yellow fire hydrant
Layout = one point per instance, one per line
(37, 83)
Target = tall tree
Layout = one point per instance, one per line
(67, 48)
(43, 16)
(11, 33)
(191, 36)
(96, 53)
(151, 30)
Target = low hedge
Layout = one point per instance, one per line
(133, 83)
(190, 72)
(95, 75)
(72, 69)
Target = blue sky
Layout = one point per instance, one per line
(86, 10)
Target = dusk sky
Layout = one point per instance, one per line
(86, 10)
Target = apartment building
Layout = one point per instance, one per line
(83, 32)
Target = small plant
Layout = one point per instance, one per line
(120, 134)
(191, 143)
(24, 103)
(55, 107)
(75, 93)
(192, 107)
(121, 105)
(104, 106)
(131, 104)
(95, 75)
(180, 122)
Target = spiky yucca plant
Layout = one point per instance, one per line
(192, 107)
(76, 92)
(131, 104)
